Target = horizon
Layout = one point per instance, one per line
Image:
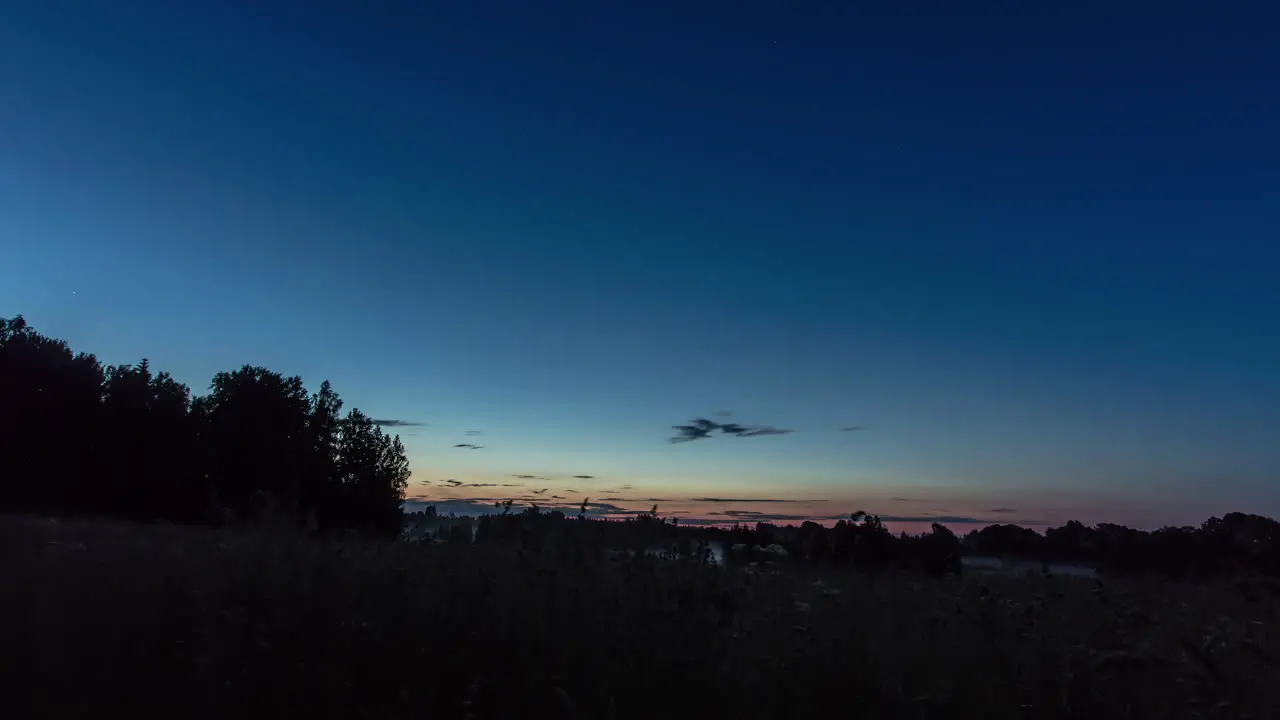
(1031, 258)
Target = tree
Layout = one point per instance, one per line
(321, 493)
(372, 475)
(256, 432)
(149, 438)
(49, 412)
(124, 441)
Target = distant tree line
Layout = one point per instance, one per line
(81, 438)
(1234, 545)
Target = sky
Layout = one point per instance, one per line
(1032, 248)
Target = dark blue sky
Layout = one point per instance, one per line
(1036, 247)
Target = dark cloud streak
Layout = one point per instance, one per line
(702, 429)
(748, 500)
(385, 422)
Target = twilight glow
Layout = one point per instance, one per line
(1036, 260)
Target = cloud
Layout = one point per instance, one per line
(557, 497)
(472, 433)
(540, 492)
(458, 483)
(699, 429)
(759, 430)
(702, 428)
(945, 519)
(1002, 510)
(469, 446)
(704, 522)
(397, 423)
(626, 487)
(897, 499)
(749, 500)
(584, 477)
(761, 516)
(724, 413)
(529, 477)
(853, 428)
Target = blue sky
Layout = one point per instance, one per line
(1032, 248)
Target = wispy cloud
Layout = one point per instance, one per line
(702, 429)
(584, 477)
(699, 429)
(1002, 510)
(468, 446)
(761, 516)
(754, 430)
(748, 500)
(451, 482)
(948, 519)
(386, 422)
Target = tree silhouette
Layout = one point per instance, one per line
(256, 422)
(50, 400)
(372, 474)
(147, 443)
(79, 438)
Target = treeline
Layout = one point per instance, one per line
(1234, 545)
(81, 438)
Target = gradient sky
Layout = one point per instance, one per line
(1034, 247)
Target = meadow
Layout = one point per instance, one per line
(115, 619)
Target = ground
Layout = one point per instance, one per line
(106, 618)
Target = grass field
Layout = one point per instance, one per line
(104, 619)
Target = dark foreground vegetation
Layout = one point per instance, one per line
(250, 571)
(113, 620)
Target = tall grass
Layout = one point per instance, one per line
(105, 619)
